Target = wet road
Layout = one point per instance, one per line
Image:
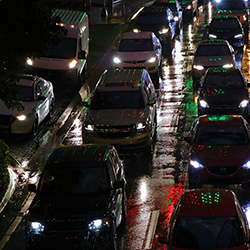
(155, 182)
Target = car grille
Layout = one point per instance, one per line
(224, 106)
(5, 122)
(62, 225)
(223, 171)
(107, 131)
(135, 62)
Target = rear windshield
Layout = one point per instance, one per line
(225, 24)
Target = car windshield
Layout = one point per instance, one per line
(74, 179)
(65, 50)
(130, 45)
(221, 135)
(223, 81)
(231, 5)
(152, 18)
(207, 233)
(212, 50)
(118, 100)
(25, 93)
(225, 24)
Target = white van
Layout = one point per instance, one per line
(69, 58)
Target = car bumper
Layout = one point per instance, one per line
(151, 68)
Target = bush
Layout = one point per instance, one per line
(4, 163)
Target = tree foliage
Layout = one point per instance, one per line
(4, 163)
(27, 29)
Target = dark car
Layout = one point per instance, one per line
(176, 9)
(219, 151)
(228, 28)
(189, 8)
(80, 199)
(224, 91)
(159, 20)
(209, 218)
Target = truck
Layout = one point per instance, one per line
(68, 60)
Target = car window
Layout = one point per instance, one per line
(130, 45)
(207, 233)
(152, 18)
(221, 135)
(212, 50)
(74, 179)
(224, 81)
(118, 100)
(225, 23)
(231, 5)
(41, 87)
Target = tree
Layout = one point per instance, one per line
(4, 163)
(27, 29)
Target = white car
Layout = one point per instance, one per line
(211, 53)
(141, 50)
(37, 98)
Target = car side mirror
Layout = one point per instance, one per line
(82, 54)
(188, 139)
(41, 98)
(151, 102)
(248, 84)
(32, 188)
(157, 47)
(191, 53)
(118, 184)
(163, 239)
(85, 104)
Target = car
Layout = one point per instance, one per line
(211, 53)
(224, 91)
(37, 99)
(219, 152)
(189, 8)
(176, 9)
(122, 111)
(139, 50)
(236, 8)
(208, 218)
(80, 199)
(228, 28)
(159, 20)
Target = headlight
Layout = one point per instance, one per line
(228, 65)
(72, 64)
(211, 36)
(243, 104)
(21, 117)
(98, 224)
(198, 67)
(117, 60)
(203, 104)
(244, 17)
(195, 164)
(164, 31)
(89, 127)
(141, 127)
(176, 18)
(152, 59)
(238, 36)
(246, 165)
(29, 61)
(37, 227)
(189, 7)
(136, 30)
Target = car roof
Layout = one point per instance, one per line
(221, 120)
(223, 70)
(85, 153)
(122, 78)
(206, 202)
(139, 35)
(211, 42)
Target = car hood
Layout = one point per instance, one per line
(236, 155)
(223, 96)
(151, 27)
(73, 206)
(117, 116)
(225, 32)
(28, 107)
(136, 55)
(213, 61)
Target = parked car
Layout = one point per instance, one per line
(228, 28)
(138, 50)
(234, 8)
(176, 9)
(211, 53)
(219, 151)
(37, 99)
(159, 20)
(80, 199)
(189, 8)
(224, 91)
(207, 219)
(122, 110)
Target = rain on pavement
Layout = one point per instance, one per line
(155, 182)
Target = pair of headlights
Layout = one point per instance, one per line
(212, 36)
(117, 59)
(243, 104)
(200, 67)
(71, 65)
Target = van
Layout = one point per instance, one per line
(68, 59)
(122, 110)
